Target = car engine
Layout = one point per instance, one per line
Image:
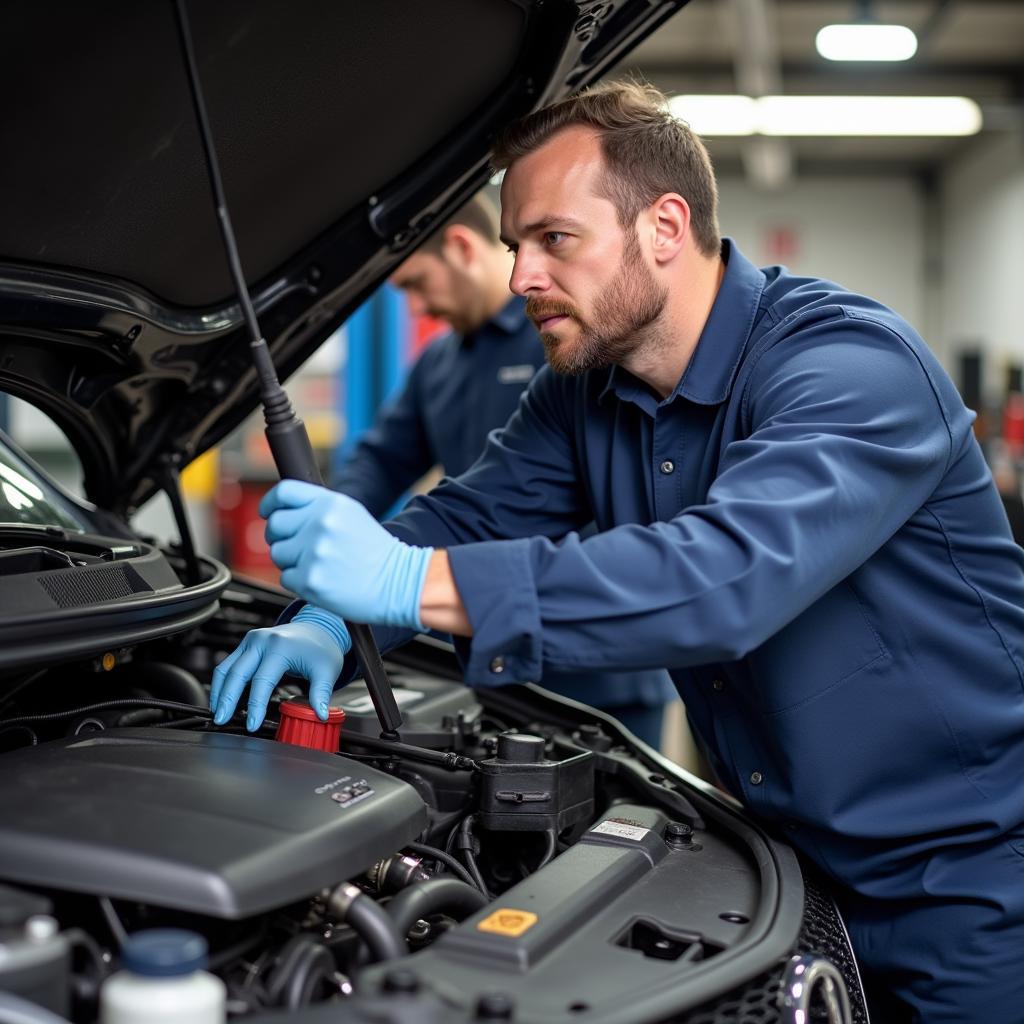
(511, 855)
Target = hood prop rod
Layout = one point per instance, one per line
(286, 433)
(171, 480)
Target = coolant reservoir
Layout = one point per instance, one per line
(162, 981)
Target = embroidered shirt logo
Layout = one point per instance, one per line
(520, 373)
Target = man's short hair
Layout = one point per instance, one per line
(480, 215)
(647, 151)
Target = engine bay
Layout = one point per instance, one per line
(510, 854)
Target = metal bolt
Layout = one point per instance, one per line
(756, 778)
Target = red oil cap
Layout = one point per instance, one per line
(299, 725)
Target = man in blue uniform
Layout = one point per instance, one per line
(793, 515)
(462, 387)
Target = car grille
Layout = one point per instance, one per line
(822, 934)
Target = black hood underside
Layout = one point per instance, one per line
(344, 129)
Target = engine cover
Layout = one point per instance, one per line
(214, 823)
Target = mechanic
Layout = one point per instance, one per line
(795, 519)
(463, 386)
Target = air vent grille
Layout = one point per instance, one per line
(93, 586)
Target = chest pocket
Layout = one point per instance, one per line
(820, 649)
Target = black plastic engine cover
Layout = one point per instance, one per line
(214, 823)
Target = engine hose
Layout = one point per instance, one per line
(165, 680)
(369, 921)
(465, 843)
(450, 760)
(441, 857)
(121, 702)
(446, 896)
(14, 1010)
(302, 965)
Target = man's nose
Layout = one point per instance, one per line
(528, 276)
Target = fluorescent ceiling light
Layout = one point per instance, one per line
(868, 115)
(866, 41)
(717, 115)
(828, 115)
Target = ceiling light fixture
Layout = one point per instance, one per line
(828, 115)
(866, 39)
(866, 42)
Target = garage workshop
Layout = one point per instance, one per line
(511, 510)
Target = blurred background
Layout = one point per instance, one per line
(830, 166)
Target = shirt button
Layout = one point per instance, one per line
(718, 685)
(756, 778)
(498, 665)
(667, 466)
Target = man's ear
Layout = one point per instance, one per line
(668, 226)
(459, 246)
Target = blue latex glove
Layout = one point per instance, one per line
(334, 554)
(313, 645)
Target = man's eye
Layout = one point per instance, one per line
(553, 237)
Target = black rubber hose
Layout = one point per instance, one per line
(433, 853)
(369, 921)
(466, 845)
(315, 967)
(170, 682)
(446, 896)
(302, 966)
(450, 760)
(121, 702)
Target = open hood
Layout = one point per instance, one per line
(344, 129)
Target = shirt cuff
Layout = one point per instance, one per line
(290, 612)
(495, 583)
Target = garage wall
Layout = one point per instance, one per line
(867, 234)
(982, 243)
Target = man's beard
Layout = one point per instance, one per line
(630, 304)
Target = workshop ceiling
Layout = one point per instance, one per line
(971, 48)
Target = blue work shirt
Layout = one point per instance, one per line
(806, 533)
(460, 389)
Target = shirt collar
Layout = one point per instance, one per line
(708, 378)
(511, 317)
(509, 320)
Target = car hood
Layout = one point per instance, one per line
(344, 129)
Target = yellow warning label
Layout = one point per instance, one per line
(507, 921)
